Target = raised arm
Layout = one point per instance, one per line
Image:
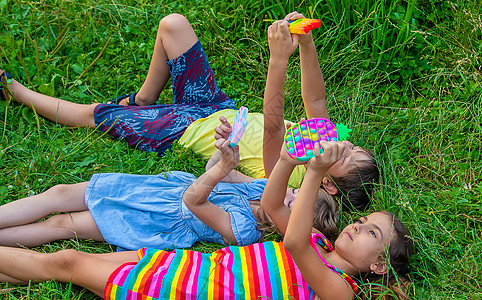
(312, 83)
(196, 196)
(300, 225)
(274, 193)
(281, 45)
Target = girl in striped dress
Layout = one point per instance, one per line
(303, 266)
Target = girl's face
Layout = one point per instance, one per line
(363, 242)
(290, 198)
(352, 156)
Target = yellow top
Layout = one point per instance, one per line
(200, 137)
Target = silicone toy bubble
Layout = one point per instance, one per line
(300, 138)
(239, 125)
(303, 26)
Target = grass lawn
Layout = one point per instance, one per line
(405, 75)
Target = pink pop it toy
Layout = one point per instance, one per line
(300, 139)
(239, 125)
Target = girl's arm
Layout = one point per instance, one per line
(274, 193)
(196, 196)
(281, 45)
(298, 233)
(312, 83)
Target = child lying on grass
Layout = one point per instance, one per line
(304, 266)
(198, 104)
(165, 211)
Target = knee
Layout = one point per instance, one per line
(60, 190)
(173, 23)
(62, 264)
(88, 115)
(59, 222)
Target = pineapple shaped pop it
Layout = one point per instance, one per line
(300, 138)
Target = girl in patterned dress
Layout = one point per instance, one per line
(304, 266)
(136, 118)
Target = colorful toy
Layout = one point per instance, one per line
(300, 138)
(303, 26)
(239, 125)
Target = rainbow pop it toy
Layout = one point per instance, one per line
(300, 138)
(239, 125)
(303, 26)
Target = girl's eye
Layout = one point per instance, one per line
(373, 233)
(359, 221)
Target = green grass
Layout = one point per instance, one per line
(404, 75)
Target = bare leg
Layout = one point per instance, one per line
(174, 37)
(83, 269)
(18, 218)
(79, 225)
(59, 198)
(57, 110)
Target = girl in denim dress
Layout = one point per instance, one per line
(165, 211)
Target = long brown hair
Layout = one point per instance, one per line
(395, 283)
(324, 219)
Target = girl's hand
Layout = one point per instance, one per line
(229, 156)
(321, 162)
(287, 158)
(281, 43)
(303, 38)
(284, 153)
(222, 131)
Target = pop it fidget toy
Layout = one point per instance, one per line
(303, 26)
(300, 138)
(239, 125)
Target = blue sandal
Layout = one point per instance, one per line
(5, 79)
(132, 99)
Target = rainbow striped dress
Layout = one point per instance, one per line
(258, 271)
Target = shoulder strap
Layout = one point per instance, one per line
(320, 239)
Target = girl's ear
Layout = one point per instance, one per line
(330, 186)
(379, 268)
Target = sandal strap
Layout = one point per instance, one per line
(132, 99)
(117, 99)
(7, 75)
(5, 79)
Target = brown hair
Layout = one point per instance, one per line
(395, 283)
(356, 186)
(324, 218)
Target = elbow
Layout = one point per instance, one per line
(292, 244)
(266, 207)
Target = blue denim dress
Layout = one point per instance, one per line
(134, 211)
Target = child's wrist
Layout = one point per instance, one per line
(316, 171)
(286, 163)
(306, 43)
(225, 167)
(277, 60)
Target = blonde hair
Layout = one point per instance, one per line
(324, 218)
